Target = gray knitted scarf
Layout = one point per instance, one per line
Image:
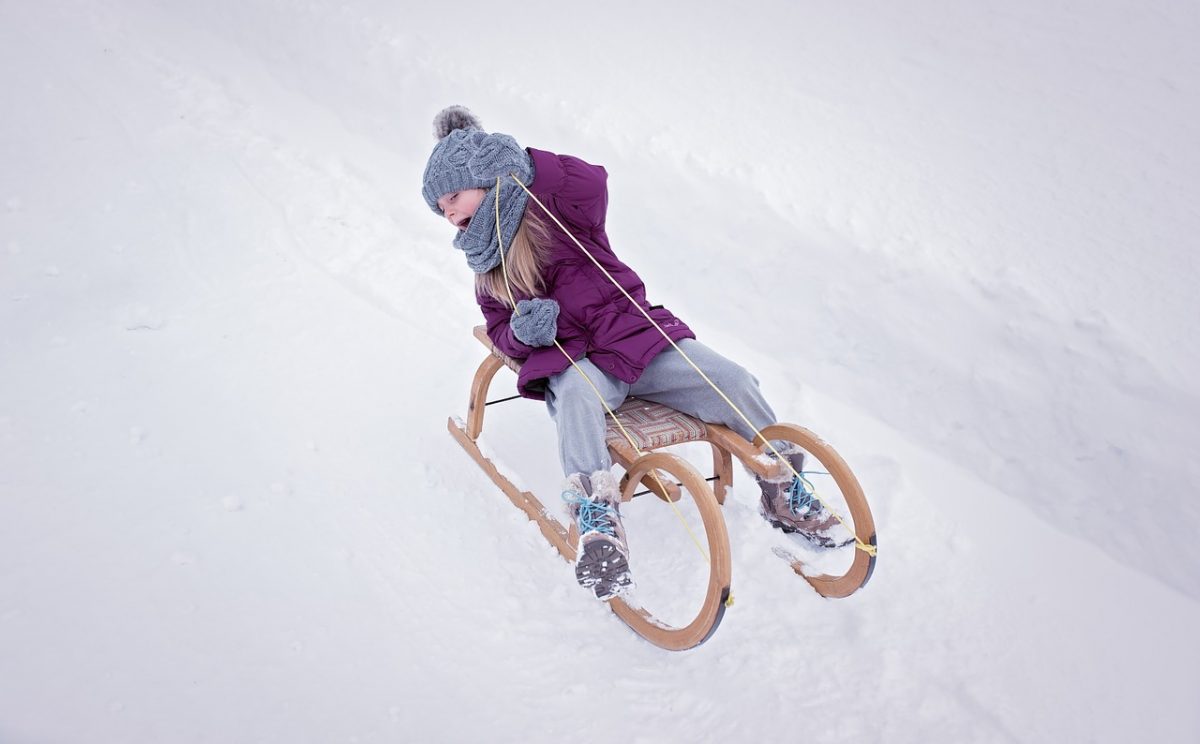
(479, 241)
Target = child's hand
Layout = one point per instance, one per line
(536, 322)
(498, 156)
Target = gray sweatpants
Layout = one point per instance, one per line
(669, 380)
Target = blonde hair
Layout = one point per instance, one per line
(525, 259)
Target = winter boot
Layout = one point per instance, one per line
(602, 562)
(789, 503)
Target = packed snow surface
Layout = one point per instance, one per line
(956, 240)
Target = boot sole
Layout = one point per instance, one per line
(603, 569)
(818, 540)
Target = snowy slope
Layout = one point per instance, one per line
(229, 510)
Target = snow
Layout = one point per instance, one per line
(957, 241)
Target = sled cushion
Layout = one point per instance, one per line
(653, 425)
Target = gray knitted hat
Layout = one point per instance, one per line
(467, 157)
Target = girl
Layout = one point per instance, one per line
(557, 307)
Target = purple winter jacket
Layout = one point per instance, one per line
(595, 320)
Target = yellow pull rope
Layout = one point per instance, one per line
(858, 542)
(500, 239)
(628, 437)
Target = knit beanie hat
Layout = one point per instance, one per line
(467, 157)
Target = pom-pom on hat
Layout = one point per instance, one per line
(454, 117)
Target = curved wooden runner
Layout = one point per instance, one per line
(860, 570)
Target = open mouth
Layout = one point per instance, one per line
(462, 224)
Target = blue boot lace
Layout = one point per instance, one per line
(802, 496)
(593, 516)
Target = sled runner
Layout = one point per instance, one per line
(654, 426)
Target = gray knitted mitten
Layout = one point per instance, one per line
(536, 322)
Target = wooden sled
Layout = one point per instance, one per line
(655, 426)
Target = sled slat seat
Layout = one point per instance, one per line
(481, 334)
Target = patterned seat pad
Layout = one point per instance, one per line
(653, 425)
